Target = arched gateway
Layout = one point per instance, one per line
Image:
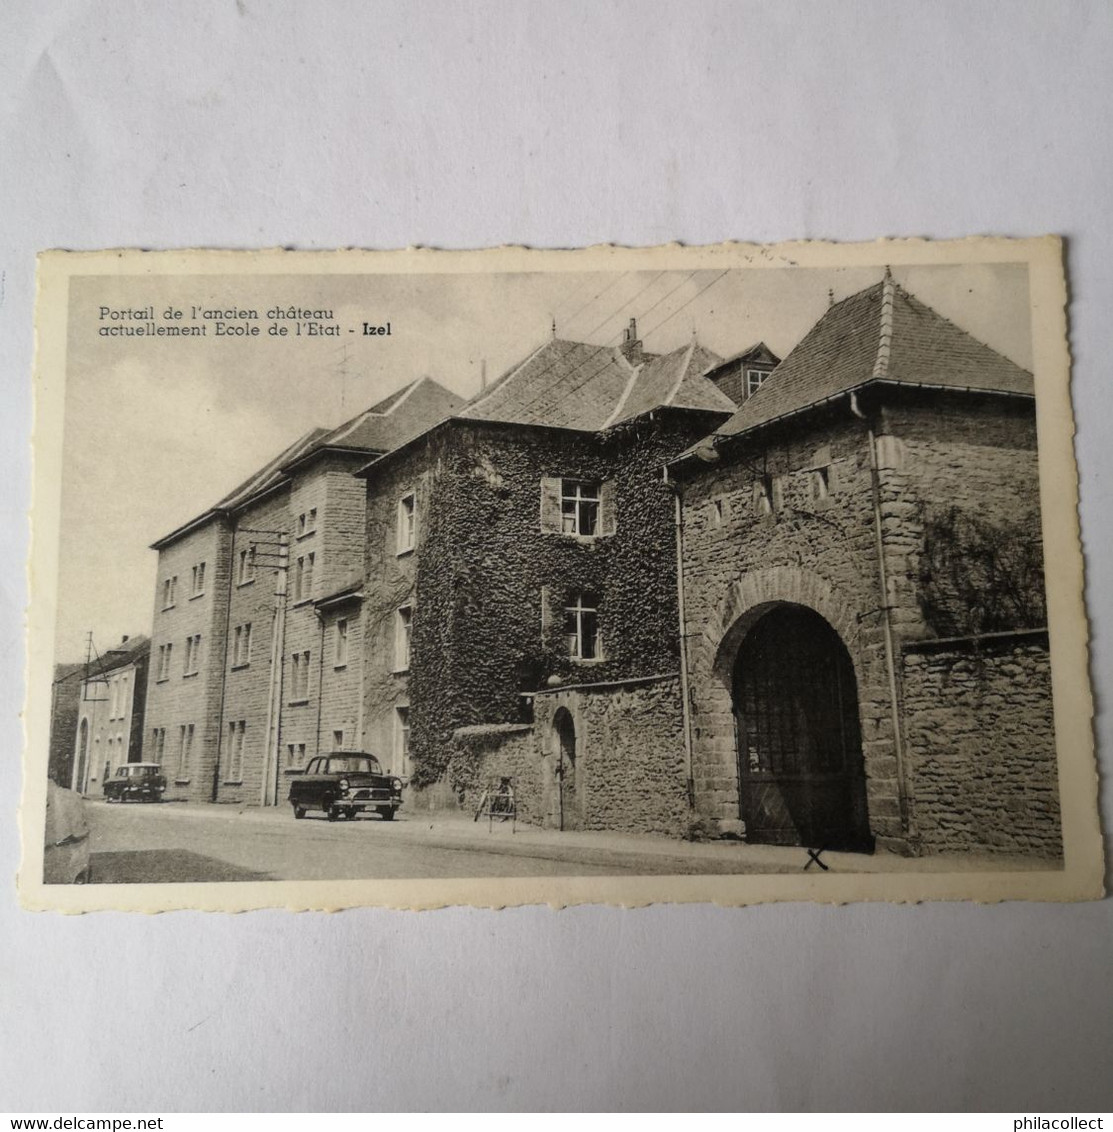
(801, 773)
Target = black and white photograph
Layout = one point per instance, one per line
(563, 571)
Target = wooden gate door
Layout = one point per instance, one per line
(801, 772)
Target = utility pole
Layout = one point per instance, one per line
(273, 549)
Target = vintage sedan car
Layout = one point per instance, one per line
(66, 857)
(343, 784)
(135, 782)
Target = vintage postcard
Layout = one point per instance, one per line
(419, 578)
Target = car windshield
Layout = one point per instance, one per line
(353, 764)
(140, 771)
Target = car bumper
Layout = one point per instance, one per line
(359, 804)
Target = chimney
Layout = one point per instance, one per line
(631, 345)
(124, 639)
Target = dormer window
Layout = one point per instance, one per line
(755, 378)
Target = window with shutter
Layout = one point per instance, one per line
(551, 521)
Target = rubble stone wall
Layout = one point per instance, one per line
(981, 746)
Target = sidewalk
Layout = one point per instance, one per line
(453, 830)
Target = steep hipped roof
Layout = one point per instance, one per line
(577, 385)
(397, 419)
(563, 384)
(386, 425)
(125, 653)
(881, 334)
(675, 379)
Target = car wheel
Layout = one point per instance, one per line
(299, 812)
(333, 813)
(350, 815)
(386, 813)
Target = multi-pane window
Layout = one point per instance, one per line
(158, 745)
(198, 580)
(307, 522)
(407, 522)
(299, 677)
(303, 577)
(169, 591)
(185, 749)
(755, 378)
(247, 566)
(192, 655)
(338, 739)
(241, 645)
(163, 669)
(581, 627)
(236, 734)
(402, 740)
(122, 704)
(403, 634)
(341, 642)
(295, 754)
(579, 507)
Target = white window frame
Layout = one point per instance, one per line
(406, 529)
(303, 576)
(185, 751)
(197, 584)
(295, 751)
(340, 659)
(338, 739)
(402, 738)
(582, 612)
(170, 591)
(299, 676)
(237, 731)
(246, 569)
(403, 637)
(193, 655)
(241, 645)
(755, 379)
(580, 499)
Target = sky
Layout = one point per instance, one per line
(157, 429)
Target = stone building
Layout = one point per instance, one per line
(255, 652)
(524, 545)
(110, 714)
(866, 643)
(65, 695)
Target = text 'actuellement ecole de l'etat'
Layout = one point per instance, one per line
(232, 322)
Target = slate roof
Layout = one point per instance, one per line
(390, 423)
(675, 379)
(577, 385)
(127, 652)
(881, 334)
(397, 419)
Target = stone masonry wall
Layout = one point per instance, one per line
(628, 773)
(489, 586)
(981, 746)
(816, 548)
(181, 699)
(247, 690)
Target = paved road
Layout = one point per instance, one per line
(167, 843)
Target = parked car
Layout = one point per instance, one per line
(343, 784)
(135, 782)
(66, 840)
